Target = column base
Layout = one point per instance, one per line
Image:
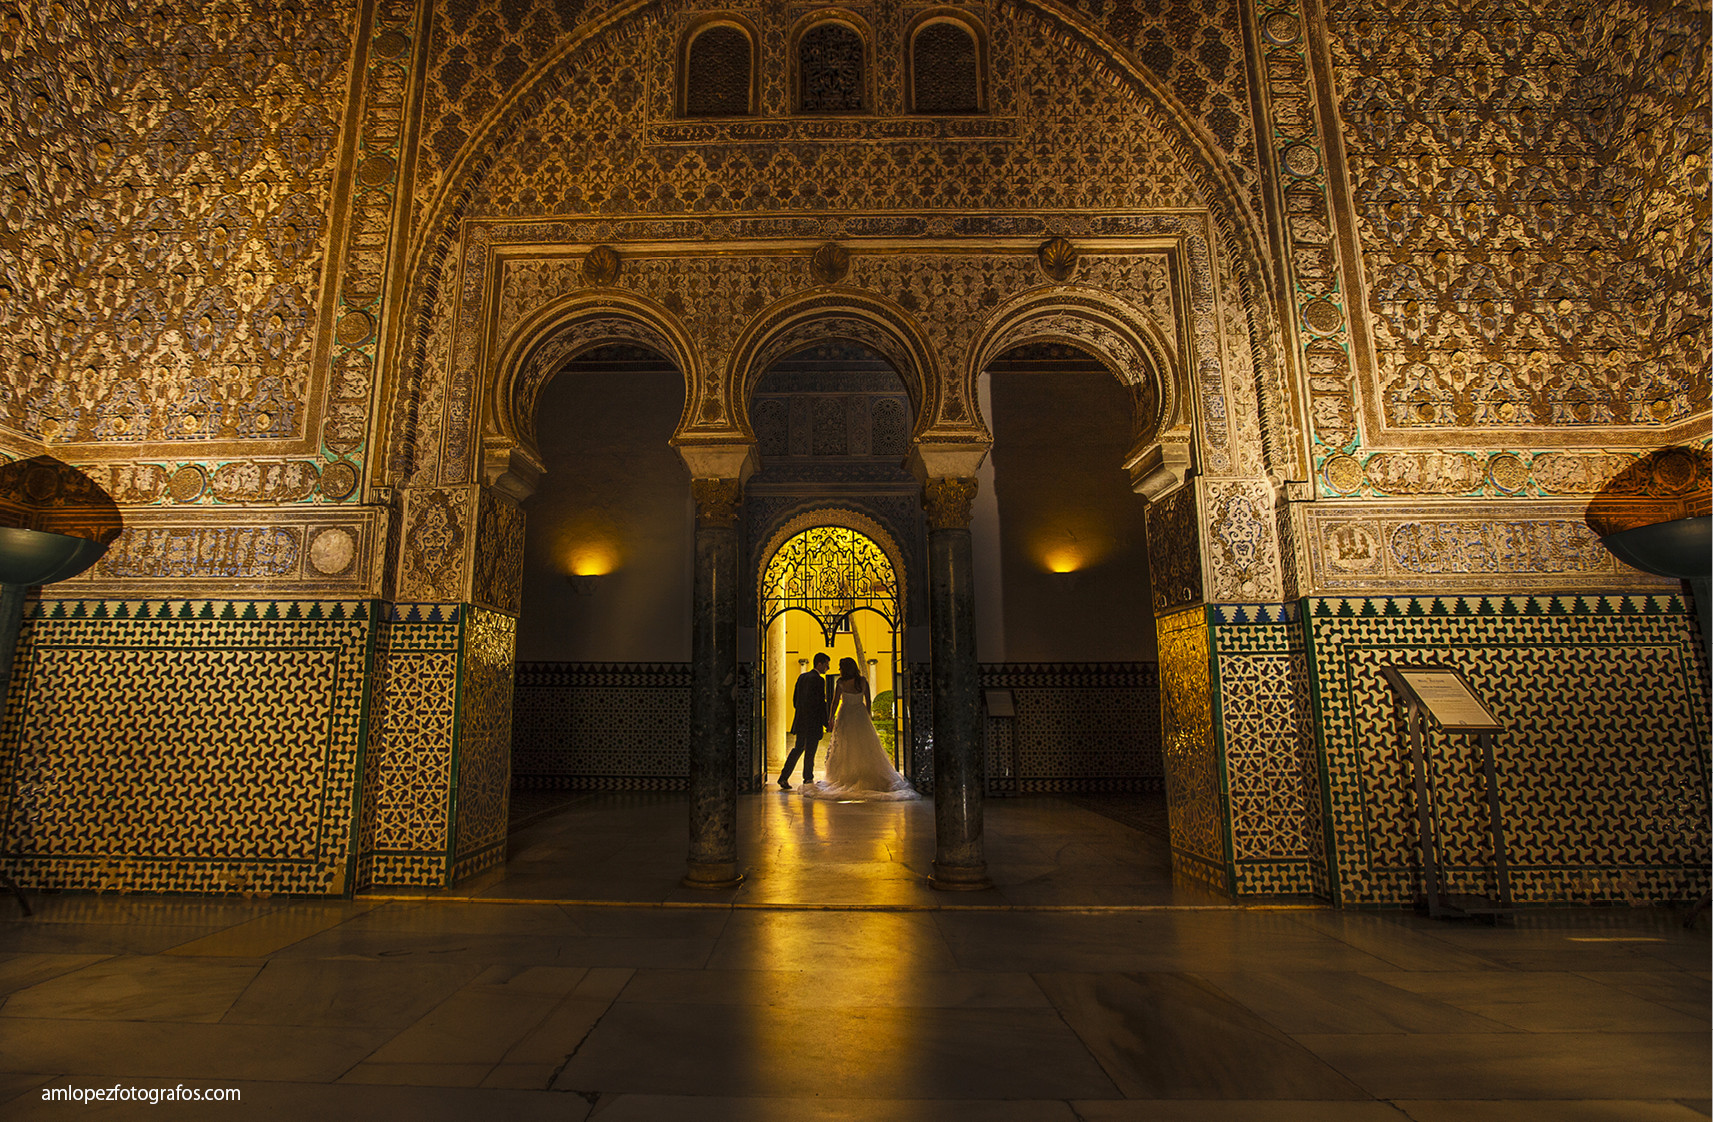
(959, 878)
(722, 874)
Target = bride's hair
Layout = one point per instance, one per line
(848, 669)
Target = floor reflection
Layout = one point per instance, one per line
(797, 852)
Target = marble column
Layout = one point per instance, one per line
(713, 859)
(959, 860)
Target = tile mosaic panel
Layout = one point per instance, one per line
(1267, 750)
(128, 766)
(614, 726)
(1080, 727)
(407, 777)
(1602, 771)
(618, 726)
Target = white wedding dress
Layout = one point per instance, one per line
(857, 767)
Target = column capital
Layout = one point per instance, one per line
(948, 502)
(717, 501)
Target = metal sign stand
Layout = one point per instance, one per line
(1443, 694)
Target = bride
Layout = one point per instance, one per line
(857, 767)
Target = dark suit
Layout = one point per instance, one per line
(810, 717)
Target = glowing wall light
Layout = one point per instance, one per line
(1062, 561)
(591, 561)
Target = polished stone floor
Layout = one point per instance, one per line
(832, 986)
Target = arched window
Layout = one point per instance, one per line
(718, 72)
(830, 70)
(945, 69)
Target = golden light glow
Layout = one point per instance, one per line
(1062, 561)
(591, 561)
(1079, 541)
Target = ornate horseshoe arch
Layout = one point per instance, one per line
(539, 349)
(432, 254)
(818, 315)
(1127, 342)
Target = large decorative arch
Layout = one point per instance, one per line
(427, 259)
(1125, 340)
(818, 315)
(542, 345)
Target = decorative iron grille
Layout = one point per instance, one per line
(829, 572)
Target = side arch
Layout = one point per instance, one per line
(540, 348)
(1130, 344)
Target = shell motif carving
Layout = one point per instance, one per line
(831, 263)
(1058, 258)
(601, 265)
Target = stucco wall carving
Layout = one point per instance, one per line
(1447, 546)
(933, 307)
(1503, 168)
(545, 160)
(1174, 551)
(169, 223)
(1241, 541)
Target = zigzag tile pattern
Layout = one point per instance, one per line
(1602, 771)
(610, 726)
(130, 769)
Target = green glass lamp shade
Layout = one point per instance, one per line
(29, 557)
(1682, 548)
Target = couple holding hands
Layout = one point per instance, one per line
(857, 767)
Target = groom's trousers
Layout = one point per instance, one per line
(807, 742)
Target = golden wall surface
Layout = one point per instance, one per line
(1412, 300)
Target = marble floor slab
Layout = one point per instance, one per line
(582, 981)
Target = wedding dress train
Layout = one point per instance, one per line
(857, 767)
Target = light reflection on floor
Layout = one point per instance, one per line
(1042, 851)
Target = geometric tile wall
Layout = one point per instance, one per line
(125, 764)
(1269, 763)
(1602, 770)
(614, 726)
(602, 726)
(1080, 728)
(408, 773)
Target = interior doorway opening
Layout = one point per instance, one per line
(833, 590)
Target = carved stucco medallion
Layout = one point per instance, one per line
(1058, 258)
(1342, 473)
(1507, 472)
(355, 328)
(601, 265)
(331, 551)
(338, 481)
(187, 484)
(830, 264)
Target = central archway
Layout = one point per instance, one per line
(835, 589)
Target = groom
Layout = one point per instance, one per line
(810, 717)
